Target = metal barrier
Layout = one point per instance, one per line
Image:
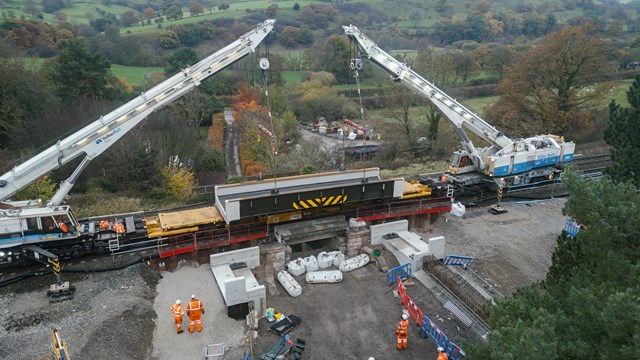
(571, 228)
(459, 260)
(399, 272)
(429, 328)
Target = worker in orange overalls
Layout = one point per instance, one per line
(195, 309)
(441, 354)
(401, 332)
(178, 313)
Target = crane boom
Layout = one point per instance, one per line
(458, 115)
(95, 138)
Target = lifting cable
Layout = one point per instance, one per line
(355, 64)
(264, 66)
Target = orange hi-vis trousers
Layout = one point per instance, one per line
(401, 333)
(195, 310)
(177, 316)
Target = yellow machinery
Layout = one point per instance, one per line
(59, 346)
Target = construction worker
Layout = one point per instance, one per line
(401, 332)
(441, 354)
(178, 313)
(195, 309)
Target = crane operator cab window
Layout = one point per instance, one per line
(459, 161)
(57, 223)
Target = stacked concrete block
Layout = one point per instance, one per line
(269, 280)
(274, 255)
(340, 243)
(355, 241)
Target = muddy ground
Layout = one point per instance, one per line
(120, 314)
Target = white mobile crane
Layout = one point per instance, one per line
(26, 224)
(506, 163)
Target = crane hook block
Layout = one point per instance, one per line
(263, 63)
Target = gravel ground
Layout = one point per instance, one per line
(125, 314)
(216, 326)
(512, 249)
(108, 318)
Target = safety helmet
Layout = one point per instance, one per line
(178, 302)
(193, 296)
(440, 349)
(405, 316)
(371, 358)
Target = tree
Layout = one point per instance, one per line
(331, 55)
(622, 135)
(128, 18)
(193, 108)
(149, 13)
(51, 6)
(23, 98)
(498, 58)
(464, 65)
(77, 72)
(554, 86)
(290, 36)
(223, 6)
(179, 181)
(408, 128)
(43, 188)
(271, 11)
(168, 39)
(290, 127)
(179, 60)
(296, 7)
(173, 12)
(196, 9)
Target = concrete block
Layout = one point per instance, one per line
(378, 231)
(437, 247)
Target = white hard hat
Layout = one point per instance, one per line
(371, 358)
(440, 349)
(405, 316)
(178, 302)
(193, 296)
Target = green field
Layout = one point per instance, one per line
(291, 77)
(235, 10)
(134, 75)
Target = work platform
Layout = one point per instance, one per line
(295, 194)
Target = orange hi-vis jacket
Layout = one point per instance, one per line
(195, 308)
(177, 311)
(443, 356)
(402, 327)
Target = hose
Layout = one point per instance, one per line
(48, 272)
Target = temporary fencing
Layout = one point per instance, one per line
(429, 328)
(399, 272)
(571, 228)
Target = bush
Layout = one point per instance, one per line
(158, 193)
(209, 159)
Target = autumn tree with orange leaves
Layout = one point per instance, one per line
(255, 146)
(555, 86)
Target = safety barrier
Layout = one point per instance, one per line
(459, 260)
(399, 272)
(427, 327)
(571, 228)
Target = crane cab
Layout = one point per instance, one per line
(461, 163)
(23, 226)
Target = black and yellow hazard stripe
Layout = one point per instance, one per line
(319, 202)
(55, 265)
